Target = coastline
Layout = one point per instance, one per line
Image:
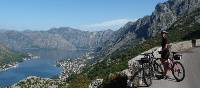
(6, 67)
(9, 66)
(73, 66)
(68, 67)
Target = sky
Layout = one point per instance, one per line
(88, 15)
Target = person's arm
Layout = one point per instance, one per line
(166, 46)
(166, 43)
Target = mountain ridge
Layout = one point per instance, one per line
(56, 38)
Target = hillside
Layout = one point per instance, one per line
(8, 57)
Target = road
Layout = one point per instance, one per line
(191, 62)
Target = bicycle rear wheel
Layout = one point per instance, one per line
(147, 75)
(137, 79)
(178, 71)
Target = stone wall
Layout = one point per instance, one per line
(198, 42)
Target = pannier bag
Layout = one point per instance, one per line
(177, 57)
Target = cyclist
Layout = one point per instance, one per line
(165, 52)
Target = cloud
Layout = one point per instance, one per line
(113, 24)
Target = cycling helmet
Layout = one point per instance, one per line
(164, 32)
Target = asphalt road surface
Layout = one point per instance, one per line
(191, 63)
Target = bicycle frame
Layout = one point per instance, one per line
(171, 62)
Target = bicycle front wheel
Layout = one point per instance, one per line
(178, 71)
(158, 70)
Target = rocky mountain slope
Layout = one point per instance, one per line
(55, 38)
(164, 15)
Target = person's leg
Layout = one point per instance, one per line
(165, 65)
(164, 61)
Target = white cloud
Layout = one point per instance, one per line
(113, 24)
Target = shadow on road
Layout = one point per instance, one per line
(171, 79)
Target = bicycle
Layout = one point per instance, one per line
(176, 67)
(142, 74)
(156, 68)
(149, 68)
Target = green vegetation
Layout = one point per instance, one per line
(185, 28)
(79, 81)
(7, 56)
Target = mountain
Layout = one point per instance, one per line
(56, 38)
(164, 15)
(82, 39)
